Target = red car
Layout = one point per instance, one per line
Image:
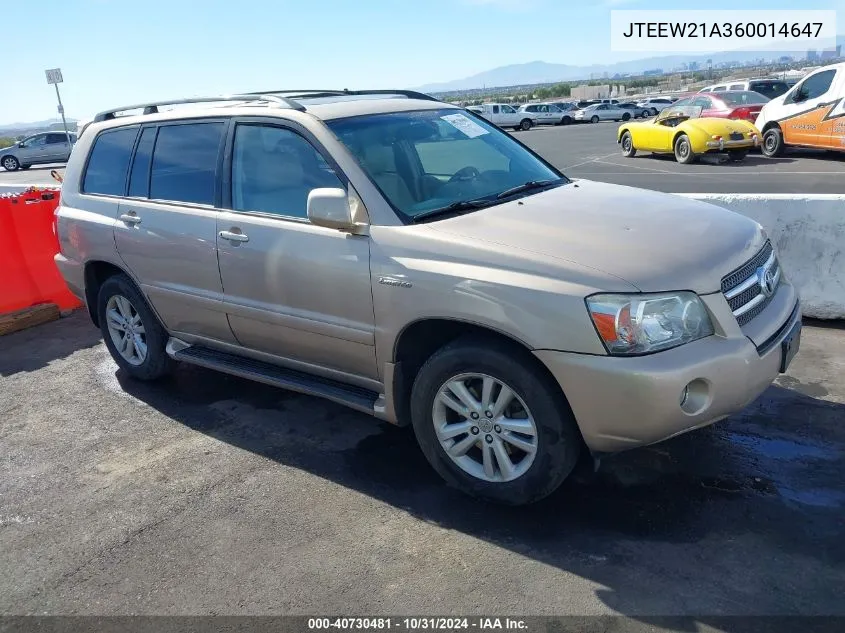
(730, 104)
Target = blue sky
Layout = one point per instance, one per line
(115, 52)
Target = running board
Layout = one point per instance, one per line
(355, 397)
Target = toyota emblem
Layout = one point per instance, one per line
(766, 278)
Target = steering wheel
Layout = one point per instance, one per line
(465, 173)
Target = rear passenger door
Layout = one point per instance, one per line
(294, 290)
(57, 147)
(167, 225)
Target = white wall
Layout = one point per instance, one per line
(808, 231)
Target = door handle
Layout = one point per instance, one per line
(233, 237)
(130, 218)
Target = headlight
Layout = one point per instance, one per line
(643, 323)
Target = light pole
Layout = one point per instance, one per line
(54, 76)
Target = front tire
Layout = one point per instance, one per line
(567, 120)
(773, 145)
(626, 117)
(10, 163)
(492, 424)
(628, 149)
(132, 333)
(683, 150)
(525, 125)
(594, 119)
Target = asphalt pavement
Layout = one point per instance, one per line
(590, 151)
(208, 494)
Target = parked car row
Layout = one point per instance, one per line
(811, 114)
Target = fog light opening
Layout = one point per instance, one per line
(696, 396)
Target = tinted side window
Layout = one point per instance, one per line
(109, 162)
(495, 109)
(274, 170)
(737, 87)
(139, 179)
(56, 138)
(36, 141)
(185, 162)
(817, 85)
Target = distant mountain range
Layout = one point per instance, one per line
(16, 129)
(540, 72)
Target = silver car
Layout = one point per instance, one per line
(549, 113)
(602, 112)
(47, 147)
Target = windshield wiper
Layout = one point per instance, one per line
(460, 205)
(529, 186)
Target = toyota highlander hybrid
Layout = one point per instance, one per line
(410, 260)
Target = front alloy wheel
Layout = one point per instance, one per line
(10, 163)
(484, 427)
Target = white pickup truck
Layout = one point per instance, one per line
(503, 115)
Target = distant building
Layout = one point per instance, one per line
(694, 65)
(652, 72)
(785, 59)
(812, 55)
(831, 53)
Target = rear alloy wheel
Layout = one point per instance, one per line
(628, 149)
(683, 150)
(654, 112)
(594, 118)
(737, 155)
(492, 424)
(525, 125)
(773, 145)
(132, 333)
(10, 163)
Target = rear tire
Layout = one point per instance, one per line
(628, 149)
(121, 309)
(683, 150)
(537, 405)
(10, 163)
(567, 120)
(525, 125)
(626, 117)
(737, 155)
(773, 144)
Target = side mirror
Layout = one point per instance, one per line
(799, 96)
(330, 207)
(21, 144)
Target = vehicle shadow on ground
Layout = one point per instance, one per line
(46, 343)
(758, 477)
(722, 160)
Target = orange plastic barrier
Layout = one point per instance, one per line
(28, 274)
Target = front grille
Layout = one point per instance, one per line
(743, 288)
(736, 136)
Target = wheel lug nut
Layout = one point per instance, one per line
(489, 439)
(497, 428)
(473, 415)
(474, 430)
(489, 414)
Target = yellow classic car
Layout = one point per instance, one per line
(680, 131)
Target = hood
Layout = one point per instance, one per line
(654, 241)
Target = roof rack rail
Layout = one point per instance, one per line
(317, 93)
(152, 107)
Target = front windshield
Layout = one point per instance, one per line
(430, 159)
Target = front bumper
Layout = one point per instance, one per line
(621, 403)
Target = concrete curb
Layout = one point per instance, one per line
(808, 231)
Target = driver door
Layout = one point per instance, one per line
(34, 150)
(802, 120)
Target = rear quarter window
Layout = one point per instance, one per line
(109, 162)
